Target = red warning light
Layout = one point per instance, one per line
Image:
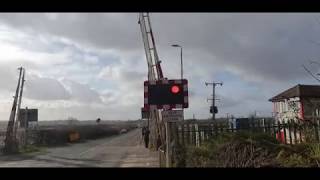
(175, 89)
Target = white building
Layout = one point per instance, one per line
(301, 102)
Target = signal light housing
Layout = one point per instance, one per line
(166, 94)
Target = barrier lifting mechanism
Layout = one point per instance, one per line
(159, 92)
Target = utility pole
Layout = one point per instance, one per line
(11, 143)
(213, 96)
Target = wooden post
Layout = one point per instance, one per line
(299, 125)
(294, 132)
(200, 135)
(191, 133)
(232, 127)
(290, 129)
(183, 133)
(177, 140)
(279, 130)
(316, 130)
(305, 127)
(221, 128)
(204, 132)
(285, 132)
(168, 144)
(259, 127)
(274, 129)
(194, 137)
(196, 130)
(252, 126)
(187, 134)
(215, 129)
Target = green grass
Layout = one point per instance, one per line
(31, 149)
(315, 153)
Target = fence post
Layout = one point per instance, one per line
(197, 135)
(290, 129)
(205, 132)
(191, 133)
(259, 127)
(188, 134)
(221, 128)
(177, 130)
(316, 130)
(194, 137)
(294, 132)
(305, 126)
(285, 132)
(267, 129)
(216, 129)
(274, 125)
(279, 130)
(252, 126)
(168, 144)
(231, 127)
(183, 132)
(200, 134)
(299, 128)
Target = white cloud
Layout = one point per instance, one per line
(44, 89)
(95, 63)
(82, 92)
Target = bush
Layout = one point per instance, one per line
(315, 153)
(246, 149)
(59, 135)
(29, 149)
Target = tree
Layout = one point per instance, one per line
(98, 120)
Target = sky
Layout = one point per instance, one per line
(92, 65)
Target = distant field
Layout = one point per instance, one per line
(52, 133)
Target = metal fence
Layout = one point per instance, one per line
(195, 133)
(291, 132)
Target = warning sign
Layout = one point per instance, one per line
(172, 115)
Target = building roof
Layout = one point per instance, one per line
(298, 91)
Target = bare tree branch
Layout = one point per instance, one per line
(310, 73)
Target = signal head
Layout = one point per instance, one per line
(175, 89)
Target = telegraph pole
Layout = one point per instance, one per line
(11, 144)
(213, 96)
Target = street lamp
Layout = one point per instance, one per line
(177, 45)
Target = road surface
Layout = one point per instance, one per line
(125, 150)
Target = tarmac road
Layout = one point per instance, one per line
(125, 150)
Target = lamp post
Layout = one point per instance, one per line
(181, 62)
